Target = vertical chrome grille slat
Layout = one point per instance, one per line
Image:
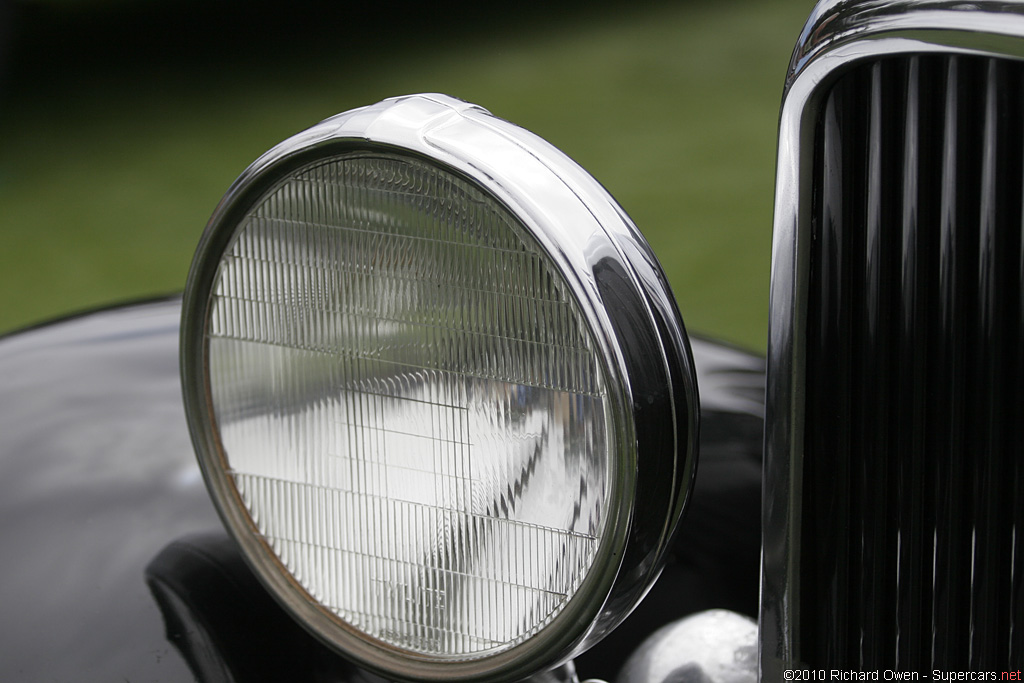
(833, 597)
(877, 468)
(913, 562)
(914, 340)
(986, 622)
(953, 546)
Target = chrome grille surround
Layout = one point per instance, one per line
(843, 41)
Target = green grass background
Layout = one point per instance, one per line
(123, 126)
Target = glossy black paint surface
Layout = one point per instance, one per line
(116, 567)
(911, 551)
(96, 476)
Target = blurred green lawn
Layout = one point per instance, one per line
(110, 167)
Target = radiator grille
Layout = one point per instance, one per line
(912, 543)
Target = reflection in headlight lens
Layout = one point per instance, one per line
(410, 405)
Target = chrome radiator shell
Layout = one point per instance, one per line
(891, 513)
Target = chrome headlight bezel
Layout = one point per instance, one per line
(624, 297)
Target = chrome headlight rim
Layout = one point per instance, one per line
(626, 561)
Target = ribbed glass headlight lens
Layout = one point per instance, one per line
(409, 404)
(412, 404)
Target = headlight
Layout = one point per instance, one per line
(439, 391)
